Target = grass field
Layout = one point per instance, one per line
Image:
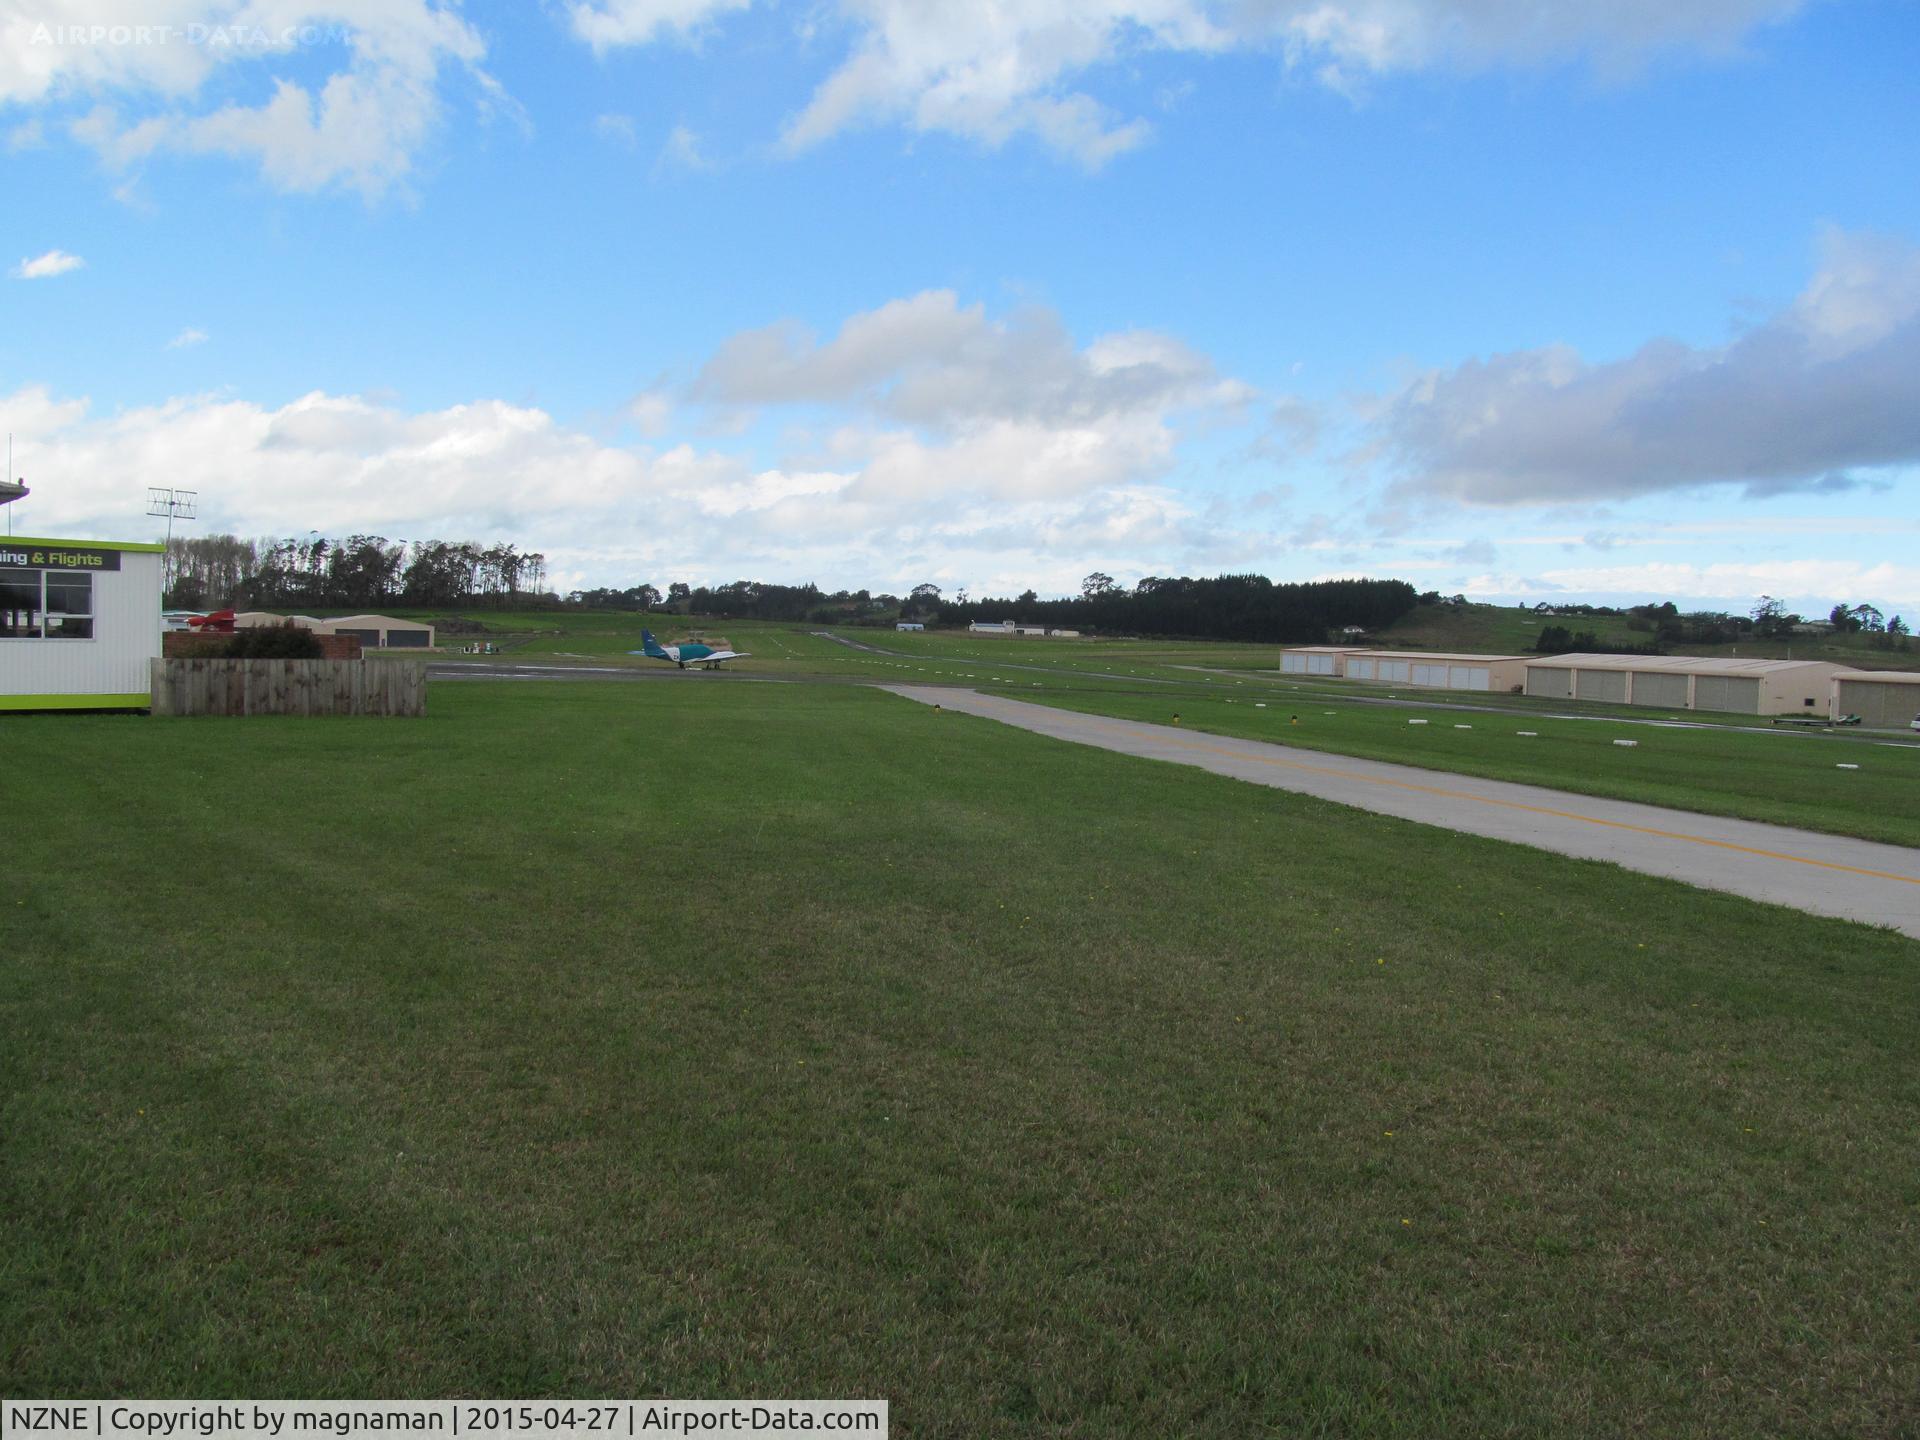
(1721, 768)
(795, 1040)
(582, 637)
(1472, 628)
(1789, 778)
(1493, 629)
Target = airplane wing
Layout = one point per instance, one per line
(720, 655)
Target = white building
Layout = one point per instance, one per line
(79, 623)
(1428, 668)
(982, 627)
(908, 625)
(1437, 670)
(1315, 659)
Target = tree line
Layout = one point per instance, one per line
(1667, 624)
(1221, 607)
(362, 572)
(368, 572)
(746, 600)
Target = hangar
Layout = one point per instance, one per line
(1685, 682)
(1315, 659)
(372, 631)
(1438, 671)
(384, 633)
(254, 619)
(79, 623)
(1883, 699)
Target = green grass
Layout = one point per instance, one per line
(790, 648)
(784, 651)
(1788, 778)
(795, 1040)
(1491, 629)
(1781, 777)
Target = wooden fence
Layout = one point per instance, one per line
(289, 687)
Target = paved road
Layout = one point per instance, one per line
(1823, 874)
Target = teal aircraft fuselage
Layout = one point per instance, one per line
(687, 652)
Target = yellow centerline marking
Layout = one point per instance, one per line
(1125, 726)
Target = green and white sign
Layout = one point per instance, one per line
(35, 556)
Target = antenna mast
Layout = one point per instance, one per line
(10, 489)
(174, 504)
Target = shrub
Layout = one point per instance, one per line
(273, 642)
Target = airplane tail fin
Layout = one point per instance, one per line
(651, 646)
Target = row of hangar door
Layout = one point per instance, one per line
(1397, 672)
(1736, 694)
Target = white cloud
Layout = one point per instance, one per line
(608, 24)
(324, 462)
(651, 411)
(1806, 585)
(1802, 402)
(187, 338)
(948, 439)
(142, 73)
(45, 267)
(683, 151)
(990, 72)
(623, 130)
(929, 361)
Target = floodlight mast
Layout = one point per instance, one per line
(174, 504)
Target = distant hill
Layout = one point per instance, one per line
(1508, 630)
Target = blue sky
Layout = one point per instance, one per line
(1581, 302)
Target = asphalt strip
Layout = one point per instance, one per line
(1822, 874)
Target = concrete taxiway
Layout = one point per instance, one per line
(1822, 874)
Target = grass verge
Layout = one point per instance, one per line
(1781, 778)
(795, 1040)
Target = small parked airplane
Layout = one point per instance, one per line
(687, 652)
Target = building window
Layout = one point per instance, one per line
(20, 604)
(44, 605)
